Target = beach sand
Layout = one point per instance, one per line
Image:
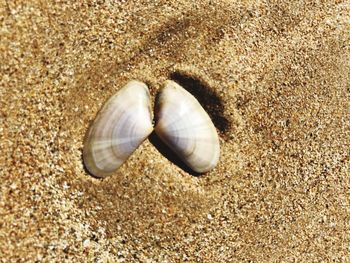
(274, 76)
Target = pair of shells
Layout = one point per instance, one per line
(125, 121)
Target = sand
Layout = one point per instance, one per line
(274, 76)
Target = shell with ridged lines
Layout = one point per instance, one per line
(186, 128)
(122, 124)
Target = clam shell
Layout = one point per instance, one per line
(186, 128)
(123, 123)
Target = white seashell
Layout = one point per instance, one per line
(186, 128)
(120, 127)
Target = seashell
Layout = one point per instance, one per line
(186, 128)
(122, 124)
